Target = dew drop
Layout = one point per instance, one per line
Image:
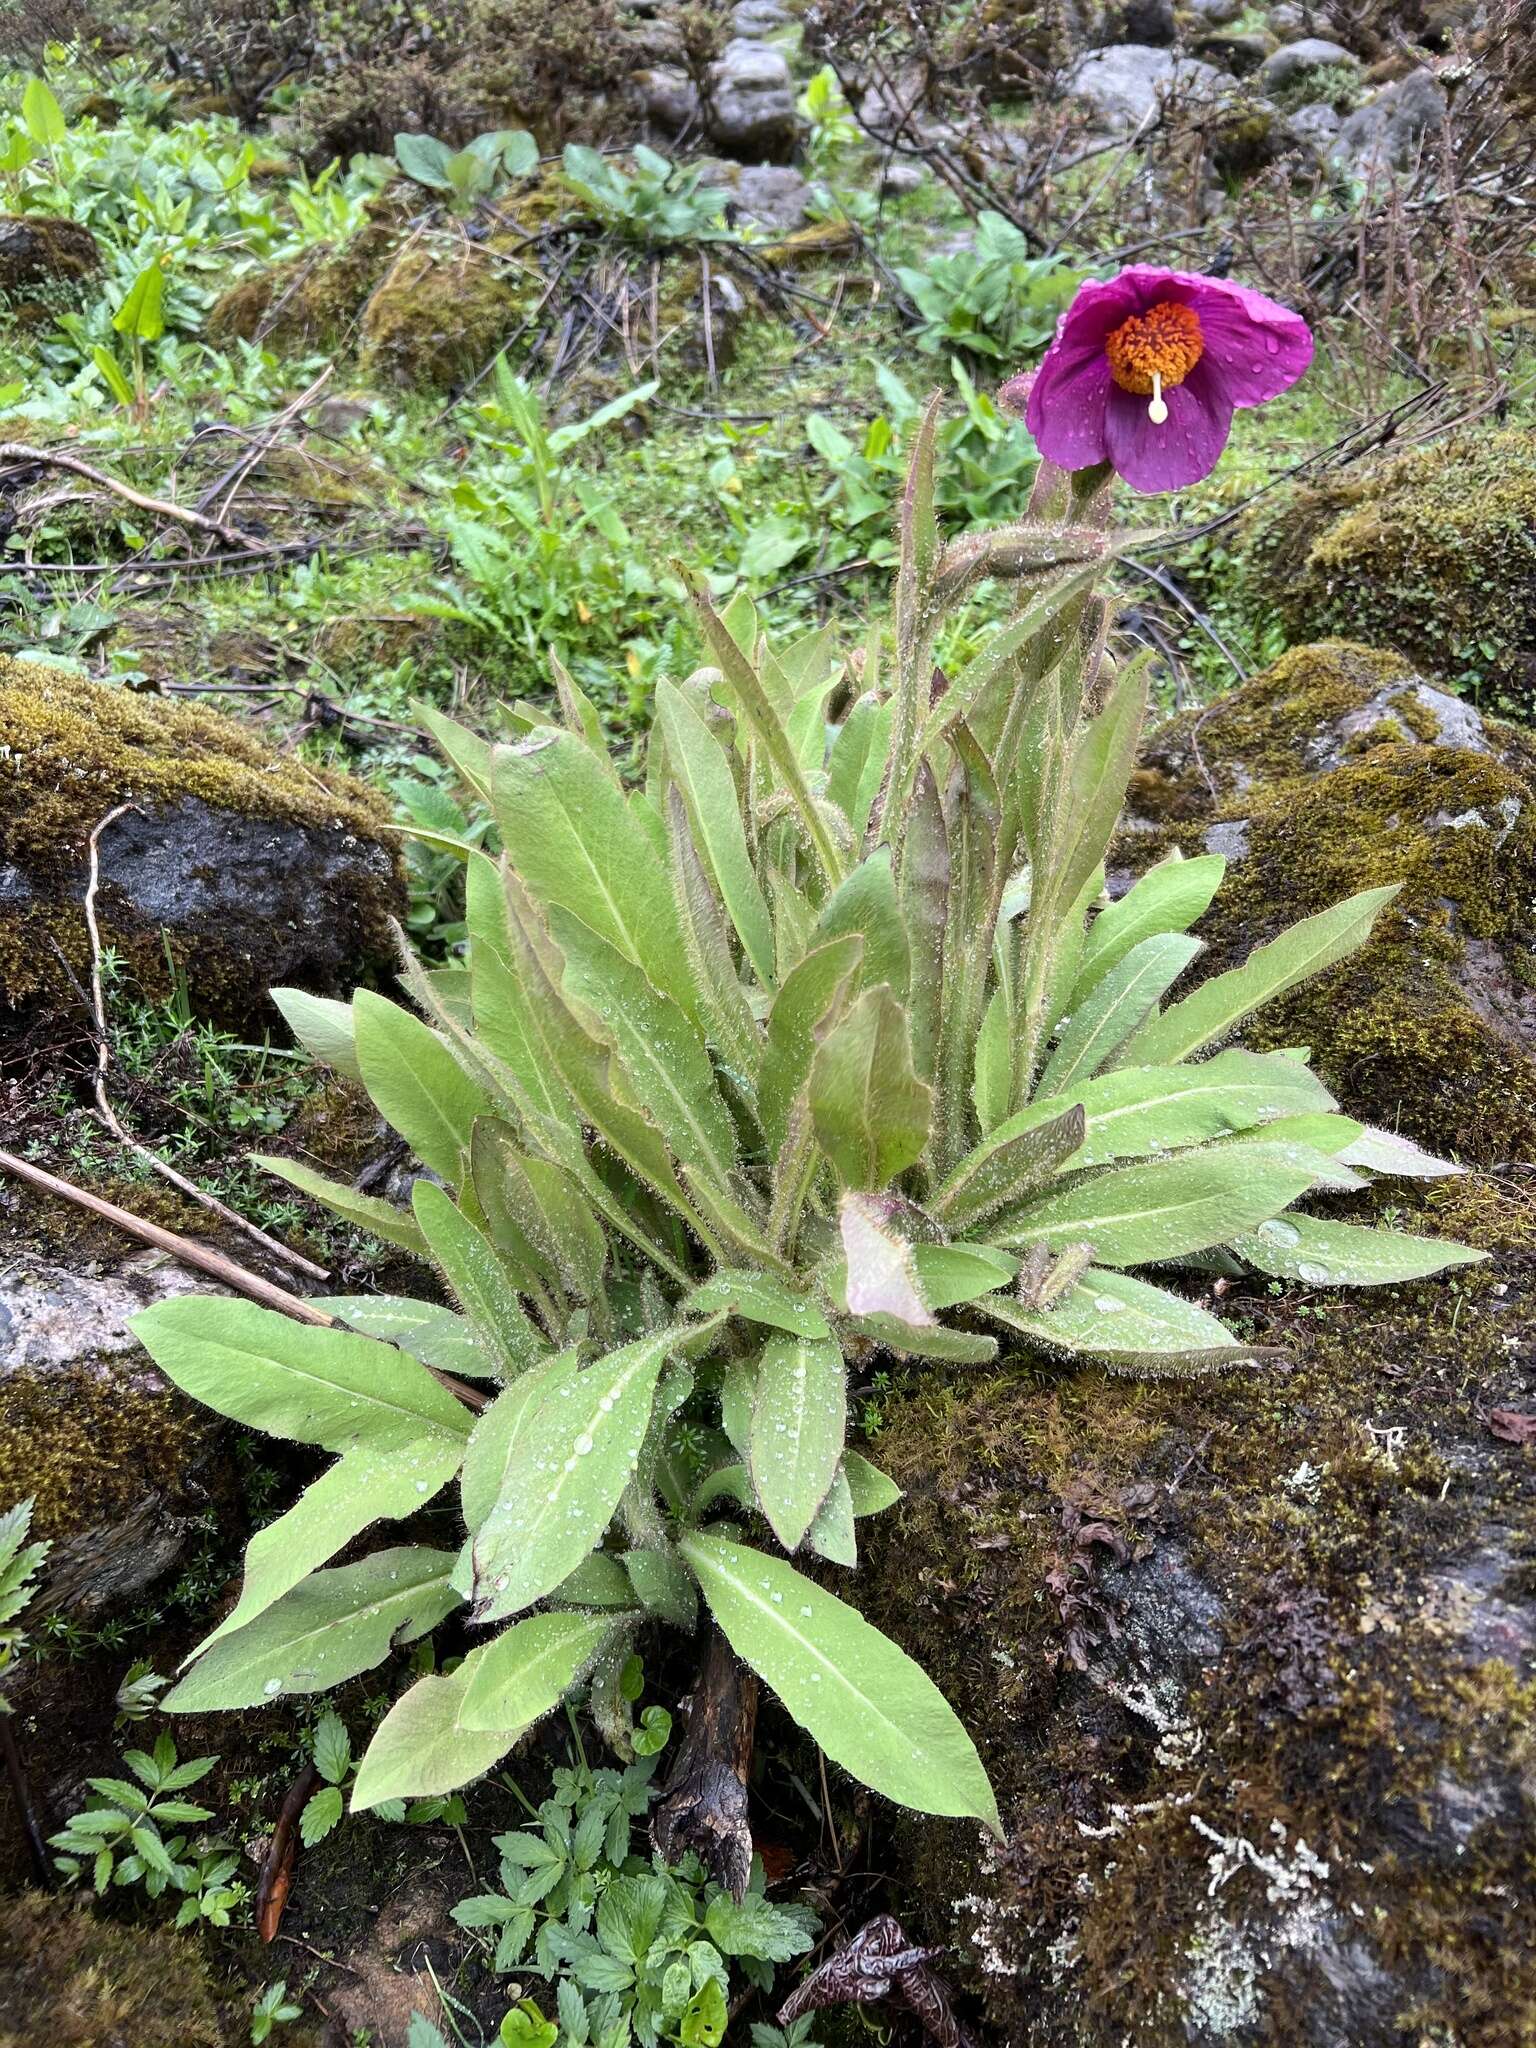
(1276, 1232)
(1107, 1305)
(1306, 1271)
(806, 1612)
(583, 1444)
(272, 1687)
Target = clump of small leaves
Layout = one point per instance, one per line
(120, 1838)
(825, 1044)
(20, 1563)
(274, 2008)
(639, 1952)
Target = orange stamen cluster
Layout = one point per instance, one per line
(1165, 342)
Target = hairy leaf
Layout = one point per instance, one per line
(868, 1705)
(799, 1422)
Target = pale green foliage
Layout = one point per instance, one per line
(654, 202)
(638, 1951)
(992, 298)
(824, 1039)
(20, 1563)
(470, 174)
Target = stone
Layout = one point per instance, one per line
(751, 112)
(1391, 131)
(1289, 69)
(1286, 19)
(898, 178)
(1242, 55)
(1146, 21)
(754, 19)
(669, 96)
(772, 197)
(251, 870)
(122, 1468)
(1216, 13)
(41, 256)
(1313, 130)
(1432, 553)
(1125, 85)
(1344, 767)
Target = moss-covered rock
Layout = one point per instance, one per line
(315, 299)
(74, 1981)
(1253, 1663)
(440, 313)
(251, 869)
(43, 259)
(120, 1466)
(1338, 770)
(1433, 554)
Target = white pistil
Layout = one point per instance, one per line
(1157, 411)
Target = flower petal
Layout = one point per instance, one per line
(1186, 447)
(1255, 348)
(1065, 412)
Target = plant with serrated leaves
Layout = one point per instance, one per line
(639, 1950)
(331, 1753)
(822, 1045)
(119, 1838)
(20, 1563)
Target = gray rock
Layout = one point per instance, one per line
(1125, 85)
(752, 111)
(773, 197)
(68, 1366)
(901, 177)
(755, 19)
(1390, 131)
(1147, 21)
(1313, 130)
(1286, 19)
(1215, 13)
(669, 96)
(1290, 67)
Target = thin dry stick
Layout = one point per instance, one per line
(232, 536)
(215, 1264)
(104, 1107)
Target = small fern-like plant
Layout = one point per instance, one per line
(821, 1044)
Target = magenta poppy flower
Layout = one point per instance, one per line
(1147, 370)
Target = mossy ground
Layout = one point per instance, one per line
(77, 1982)
(1426, 1028)
(1337, 1511)
(71, 750)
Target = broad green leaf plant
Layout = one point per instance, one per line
(824, 1043)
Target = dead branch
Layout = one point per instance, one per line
(205, 1260)
(704, 1807)
(163, 508)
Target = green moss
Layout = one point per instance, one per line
(313, 300)
(1433, 554)
(439, 314)
(1424, 1028)
(77, 1982)
(91, 1441)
